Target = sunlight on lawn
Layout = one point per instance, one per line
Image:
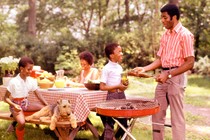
(197, 94)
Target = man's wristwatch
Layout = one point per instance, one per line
(169, 75)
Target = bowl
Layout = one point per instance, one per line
(45, 85)
(92, 86)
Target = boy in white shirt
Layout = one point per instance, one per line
(111, 81)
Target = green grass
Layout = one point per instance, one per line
(197, 94)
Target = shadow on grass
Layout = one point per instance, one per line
(47, 131)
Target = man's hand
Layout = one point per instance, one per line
(162, 77)
(139, 69)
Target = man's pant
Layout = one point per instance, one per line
(170, 93)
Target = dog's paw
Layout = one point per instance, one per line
(74, 124)
(73, 121)
(52, 126)
(28, 118)
(42, 119)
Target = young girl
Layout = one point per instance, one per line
(19, 88)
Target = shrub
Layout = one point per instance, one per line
(202, 66)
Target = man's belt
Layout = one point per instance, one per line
(169, 68)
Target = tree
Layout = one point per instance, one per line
(32, 18)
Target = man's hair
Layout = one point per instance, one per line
(87, 56)
(24, 61)
(109, 49)
(171, 9)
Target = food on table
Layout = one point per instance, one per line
(93, 81)
(45, 83)
(47, 75)
(92, 84)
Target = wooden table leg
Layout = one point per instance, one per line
(67, 133)
(62, 133)
(92, 128)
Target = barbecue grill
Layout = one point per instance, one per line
(128, 108)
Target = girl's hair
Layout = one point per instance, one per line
(24, 61)
(87, 56)
(109, 49)
(171, 9)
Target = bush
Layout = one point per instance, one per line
(202, 66)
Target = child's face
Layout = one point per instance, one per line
(26, 71)
(117, 55)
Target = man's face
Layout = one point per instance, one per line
(168, 23)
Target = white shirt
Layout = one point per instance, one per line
(89, 76)
(20, 88)
(111, 74)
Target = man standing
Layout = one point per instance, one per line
(175, 57)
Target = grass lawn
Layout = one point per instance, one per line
(197, 94)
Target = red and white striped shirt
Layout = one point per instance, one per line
(175, 46)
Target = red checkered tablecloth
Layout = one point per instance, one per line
(82, 99)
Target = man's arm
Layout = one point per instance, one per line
(187, 65)
(154, 65)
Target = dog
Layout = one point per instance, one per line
(58, 112)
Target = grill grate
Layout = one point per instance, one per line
(128, 107)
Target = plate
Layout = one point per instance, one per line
(56, 89)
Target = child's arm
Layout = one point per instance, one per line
(41, 98)
(121, 87)
(7, 100)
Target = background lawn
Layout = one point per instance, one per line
(197, 94)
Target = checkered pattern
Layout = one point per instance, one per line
(82, 100)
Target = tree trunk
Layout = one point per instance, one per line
(32, 17)
(174, 2)
(127, 15)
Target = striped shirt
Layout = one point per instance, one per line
(175, 46)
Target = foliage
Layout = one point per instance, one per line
(90, 25)
(69, 61)
(197, 15)
(202, 66)
(9, 64)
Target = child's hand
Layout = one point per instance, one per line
(125, 82)
(123, 87)
(17, 108)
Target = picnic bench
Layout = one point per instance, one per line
(82, 100)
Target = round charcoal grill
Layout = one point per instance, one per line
(128, 108)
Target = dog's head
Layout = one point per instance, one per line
(64, 107)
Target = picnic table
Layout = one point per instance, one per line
(83, 101)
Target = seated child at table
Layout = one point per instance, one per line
(18, 89)
(111, 81)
